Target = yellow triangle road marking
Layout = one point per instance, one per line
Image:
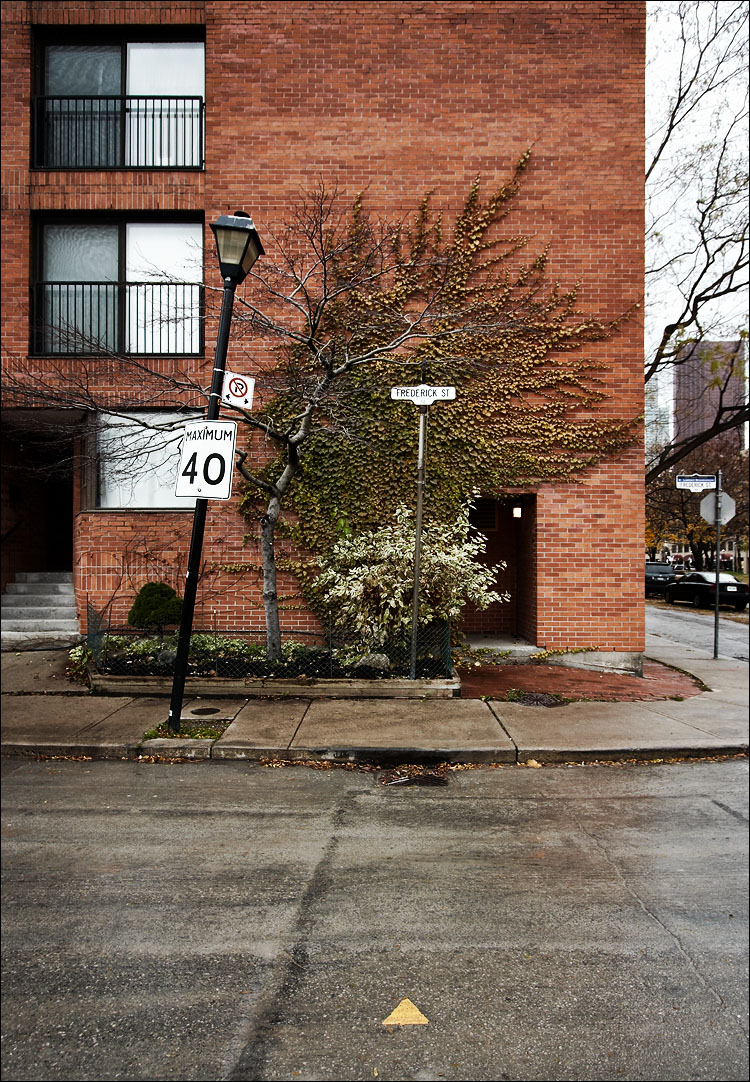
(406, 1014)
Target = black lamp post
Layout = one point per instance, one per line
(238, 245)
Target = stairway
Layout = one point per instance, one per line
(39, 607)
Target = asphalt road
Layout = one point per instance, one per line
(695, 627)
(228, 921)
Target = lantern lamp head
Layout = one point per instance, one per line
(238, 245)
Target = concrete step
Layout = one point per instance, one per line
(38, 614)
(15, 639)
(64, 589)
(45, 576)
(29, 626)
(39, 605)
(31, 601)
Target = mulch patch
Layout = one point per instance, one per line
(658, 682)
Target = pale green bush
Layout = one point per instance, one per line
(366, 583)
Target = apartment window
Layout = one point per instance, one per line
(120, 105)
(107, 287)
(138, 454)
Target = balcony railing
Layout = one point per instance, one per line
(118, 133)
(78, 318)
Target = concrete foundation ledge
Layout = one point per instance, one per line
(397, 688)
(615, 661)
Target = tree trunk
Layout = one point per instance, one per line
(270, 596)
(697, 552)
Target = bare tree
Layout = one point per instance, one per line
(696, 188)
(673, 514)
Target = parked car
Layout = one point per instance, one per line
(699, 589)
(658, 578)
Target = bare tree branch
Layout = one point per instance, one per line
(697, 181)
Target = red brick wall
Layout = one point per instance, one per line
(116, 552)
(398, 99)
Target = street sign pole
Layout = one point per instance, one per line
(199, 520)
(717, 519)
(422, 396)
(717, 508)
(418, 541)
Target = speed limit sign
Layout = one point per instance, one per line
(207, 460)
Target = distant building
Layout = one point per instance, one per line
(658, 418)
(709, 377)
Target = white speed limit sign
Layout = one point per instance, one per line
(207, 460)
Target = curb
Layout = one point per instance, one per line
(192, 749)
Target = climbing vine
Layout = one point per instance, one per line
(416, 303)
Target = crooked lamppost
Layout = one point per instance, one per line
(238, 246)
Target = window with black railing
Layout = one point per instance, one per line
(118, 132)
(112, 104)
(107, 287)
(117, 317)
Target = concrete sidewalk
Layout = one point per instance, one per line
(44, 714)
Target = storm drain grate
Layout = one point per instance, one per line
(535, 698)
(415, 777)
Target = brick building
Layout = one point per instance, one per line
(129, 126)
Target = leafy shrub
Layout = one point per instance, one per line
(215, 655)
(207, 646)
(156, 605)
(137, 647)
(367, 581)
(78, 664)
(292, 650)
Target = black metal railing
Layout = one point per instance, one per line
(145, 132)
(77, 318)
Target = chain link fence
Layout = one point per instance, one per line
(242, 654)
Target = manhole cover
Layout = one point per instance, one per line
(202, 711)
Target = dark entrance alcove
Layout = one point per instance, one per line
(508, 524)
(37, 492)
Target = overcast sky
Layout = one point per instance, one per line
(663, 57)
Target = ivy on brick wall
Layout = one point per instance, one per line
(530, 401)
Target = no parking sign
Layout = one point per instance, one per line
(237, 390)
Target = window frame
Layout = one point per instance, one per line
(92, 481)
(484, 516)
(121, 219)
(44, 36)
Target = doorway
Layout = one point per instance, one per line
(37, 493)
(508, 524)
